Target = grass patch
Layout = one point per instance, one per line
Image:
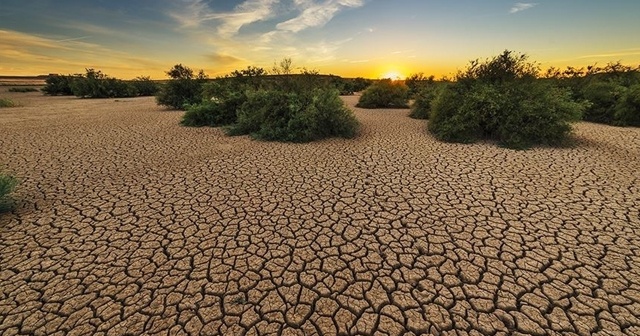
(7, 185)
(23, 89)
(6, 102)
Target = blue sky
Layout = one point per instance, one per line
(370, 38)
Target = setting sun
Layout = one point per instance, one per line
(394, 75)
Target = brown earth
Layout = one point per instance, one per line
(128, 223)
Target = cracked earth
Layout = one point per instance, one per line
(127, 223)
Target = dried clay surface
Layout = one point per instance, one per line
(127, 223)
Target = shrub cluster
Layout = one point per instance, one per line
(7, 185)
(292, 108)
(294, 116)
(385, 94)
(6, 102)
(183, 89)
(501, 99)
(607, 89)
(424, 98)
(23, 89)
(95, 84)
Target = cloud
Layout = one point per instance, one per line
(522, 6)
(223, 60)
(194, 13)
(33, 54)
(316, 14)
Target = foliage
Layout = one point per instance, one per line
(602, 96)
(424, 99)
(416, 82)
(144, 86)
(6, 102)
(23, 89)
(284, 67)
(95, 84)
(627, 112)
(501, 99)
(7, 185)
(602, 87)
(385, 94)
(294, 116)
(59, 85)
(184, 88)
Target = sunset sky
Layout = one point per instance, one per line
(368, 38)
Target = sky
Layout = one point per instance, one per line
(349, 38)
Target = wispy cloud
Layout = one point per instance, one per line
(194, 13)
(522, 6)
(315, 14)
(627, 52)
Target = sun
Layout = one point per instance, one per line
(392, 74)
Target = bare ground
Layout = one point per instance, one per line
(128, 223)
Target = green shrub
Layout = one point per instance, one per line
(292, 116)
(602, 96)
(627, 111)
(502, 100)
(95, 84)
(184, 88)
(417, 82)
(6, 102)
(385, 94)
(7, 185)
(23, 89)
(210, 113)
(144, 86)
(423, 100)
(59, 85)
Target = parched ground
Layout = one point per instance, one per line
(128, 223)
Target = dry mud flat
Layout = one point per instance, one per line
(128, 223)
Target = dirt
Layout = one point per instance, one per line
(128, 223)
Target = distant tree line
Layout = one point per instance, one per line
(95, 84)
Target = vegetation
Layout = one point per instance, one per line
(144, 86)
(95, 84)
(605, 88)
(627, 112)
(385, 94)
(23, 89)
(417, 82)
(7, 185)
(300, 116)
(501, 99)
(6, 102)
(288, 107)
(424, 98)
(183, 90)
(59, 85)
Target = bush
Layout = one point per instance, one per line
(6, 102)
(423, 100)
(23, 89)
(59, 85)
(417, 82)
(502, 100)
(7, 185)
(95, 84)
(292, 116)
(211, 113)
(183, 90)
(385, 94)
(144, 86)
(602, 96)
(627, 112)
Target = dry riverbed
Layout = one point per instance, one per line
(128, 223)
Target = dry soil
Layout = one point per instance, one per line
(128, 223)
